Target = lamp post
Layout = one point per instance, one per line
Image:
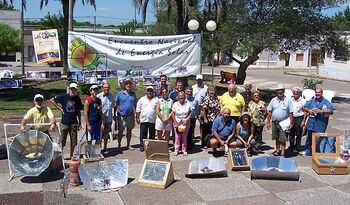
(210, 26)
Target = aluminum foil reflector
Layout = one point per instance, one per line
(274, 168)
(207, 167)
(31, 152)
(104, 175)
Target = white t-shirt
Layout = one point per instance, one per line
(199, 92)
(181, 111)
(147, 109)
(298, 106)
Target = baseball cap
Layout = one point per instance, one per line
(93, 87)
(149, 87)
(38, 96)
(199, 77)
(73, 85)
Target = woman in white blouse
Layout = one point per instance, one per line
(181, 114)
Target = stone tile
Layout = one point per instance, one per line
(177, 193)
(256, 200)
(181, 167)
(275, 186)
(343, 187)
(329, 179)
(96, 197)
(4, 169)
(18, 185)
(324, 195)
(233, 186)
(134, 173)
(22, 198)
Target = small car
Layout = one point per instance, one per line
(58, 63)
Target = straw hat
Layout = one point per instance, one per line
(133, 83)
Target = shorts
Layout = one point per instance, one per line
(73, 134)
(95, 133)
(241, 145)
(161, 126)
(278, 133)
(107, 125)
(127, 121)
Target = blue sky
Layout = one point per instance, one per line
(107, 11)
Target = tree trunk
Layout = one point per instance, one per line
(182, 15)
(65, 8)
(241, 75)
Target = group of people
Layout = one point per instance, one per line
(228, 121)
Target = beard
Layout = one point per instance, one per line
(37, 105)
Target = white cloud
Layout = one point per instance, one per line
(104, 9)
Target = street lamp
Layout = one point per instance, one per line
(211, 26)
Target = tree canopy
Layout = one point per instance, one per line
(10, 40)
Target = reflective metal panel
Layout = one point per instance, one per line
(207, 167)
(274, 168)
(31, 152)
(92, 151)
(104, 175)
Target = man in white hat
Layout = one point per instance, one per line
(124, 105)
(199, 92)
(71, 115)
(39, 114)
(279, 110)
(146, 115)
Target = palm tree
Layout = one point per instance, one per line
(65, 8)
(182, 11)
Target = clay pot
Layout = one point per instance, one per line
(73, 172)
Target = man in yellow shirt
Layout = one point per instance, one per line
(234, 101)
(39, 114)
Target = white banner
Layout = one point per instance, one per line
(135, 56)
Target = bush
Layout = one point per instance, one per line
(311, 83)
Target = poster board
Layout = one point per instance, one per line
(237, 159)
(46, 45)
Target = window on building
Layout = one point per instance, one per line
(300, 57)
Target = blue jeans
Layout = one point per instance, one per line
(327, 145)
(144, 126)
(308, 142)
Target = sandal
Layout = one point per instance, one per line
(175, 153)
(131, 148)
(275, 153)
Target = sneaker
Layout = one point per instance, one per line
(175, 153)
(142, 149)
(216, 154)
(304, 153)
(226, 149)
(295, 151)
(185, 153)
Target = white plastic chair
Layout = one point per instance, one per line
(307, 94)
(288, 93)
(328, 94)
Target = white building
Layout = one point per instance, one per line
(298, 59)
(337, 64)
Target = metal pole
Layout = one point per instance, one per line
(94, 24)
(310, 60)
(212, 68)
(22, 37)
(70, 16)
(201, 53)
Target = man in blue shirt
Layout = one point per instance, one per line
(280, 109)
(223, 130)
(124, 105)
(319, 109)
